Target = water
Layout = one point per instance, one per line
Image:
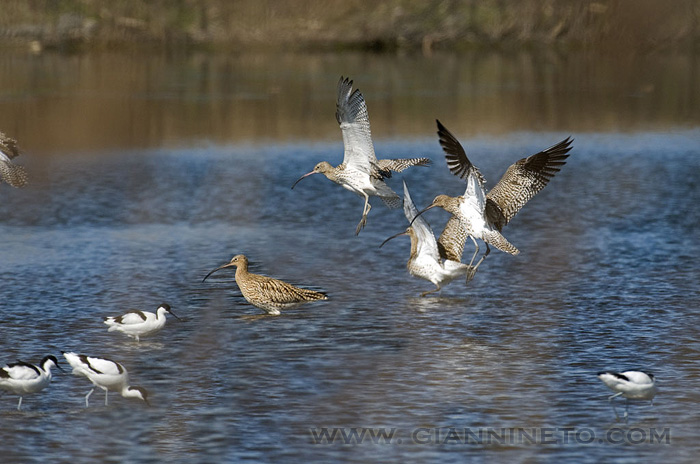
(606, 279)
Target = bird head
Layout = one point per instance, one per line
(238, 260)
(323, 167)
(408, 231)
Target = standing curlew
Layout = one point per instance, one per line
(22, 378)
(633, 385)
(14, 175)
(270, 295)
(105, 374)
(436, 261)
(136, 323)
(484, 215)
(361, 172)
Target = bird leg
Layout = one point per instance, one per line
(106, 394)
(437, 289)
(476, 251)
(365, 212)
(19, 405)
(472, 272)
(627, 405)
(613, 404)
(87, 397)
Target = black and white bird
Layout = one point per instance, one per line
(361, 172)
(483, 215)
(632, 385)
(106, 374)
(437, 261)
(11, 173)
(136, 323)
(22, 378)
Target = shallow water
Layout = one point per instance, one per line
(606, 279)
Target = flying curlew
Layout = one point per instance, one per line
(14, 175)
(270, 295)
(632, 385)
(22, 378)
(105, 374)
(436, 261)
(136, 323)
(361, 172)
(483, 215)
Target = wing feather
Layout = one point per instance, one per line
(351, 113)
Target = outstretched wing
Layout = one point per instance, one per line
(351, 113)
(426, 239)
(456, 158)
(522, 181)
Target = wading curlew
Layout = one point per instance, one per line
(483, 215)
(360, 171)
(270, 295)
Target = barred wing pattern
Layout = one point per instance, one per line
(351, 114)
(456, 158)
(452, 239)
(522, 181)
(14, 175)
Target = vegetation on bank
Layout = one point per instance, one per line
(357, 24)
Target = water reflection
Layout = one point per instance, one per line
(54, 103)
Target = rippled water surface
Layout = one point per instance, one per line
(607, 278)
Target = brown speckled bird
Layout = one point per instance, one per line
(270, 295)
(482, 215)
(14, 175)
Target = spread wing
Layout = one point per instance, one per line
(456, 157)
(351, 113)
(523, 180)
(426, 239)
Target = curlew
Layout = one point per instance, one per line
(270, 295)
(105, 374)
(361, 172)
(136, 323)
(632, 385)
(22, 378)
(436, 261)
(483, 215)
(11, 173)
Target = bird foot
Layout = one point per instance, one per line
(361, 225)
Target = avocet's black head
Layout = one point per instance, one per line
(167, 309)
(139, 392)
(53, 359)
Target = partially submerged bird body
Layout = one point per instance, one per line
(361, 172)
(437, 261)
(270, 295)
(136, 323)
(22, 378)
(11, 173)
(482, 215)
(106, 374)
(632, 385)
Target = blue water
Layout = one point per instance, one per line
(607, 278)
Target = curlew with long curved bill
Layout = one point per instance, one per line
(483, 215)
(11, 173)
(361, 172)
(270, 295)
(436, 261)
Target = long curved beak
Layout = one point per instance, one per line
(421, 212)
(393, 237)
(217, 269)
(175, 315)
(305, 175)
(58, 366)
